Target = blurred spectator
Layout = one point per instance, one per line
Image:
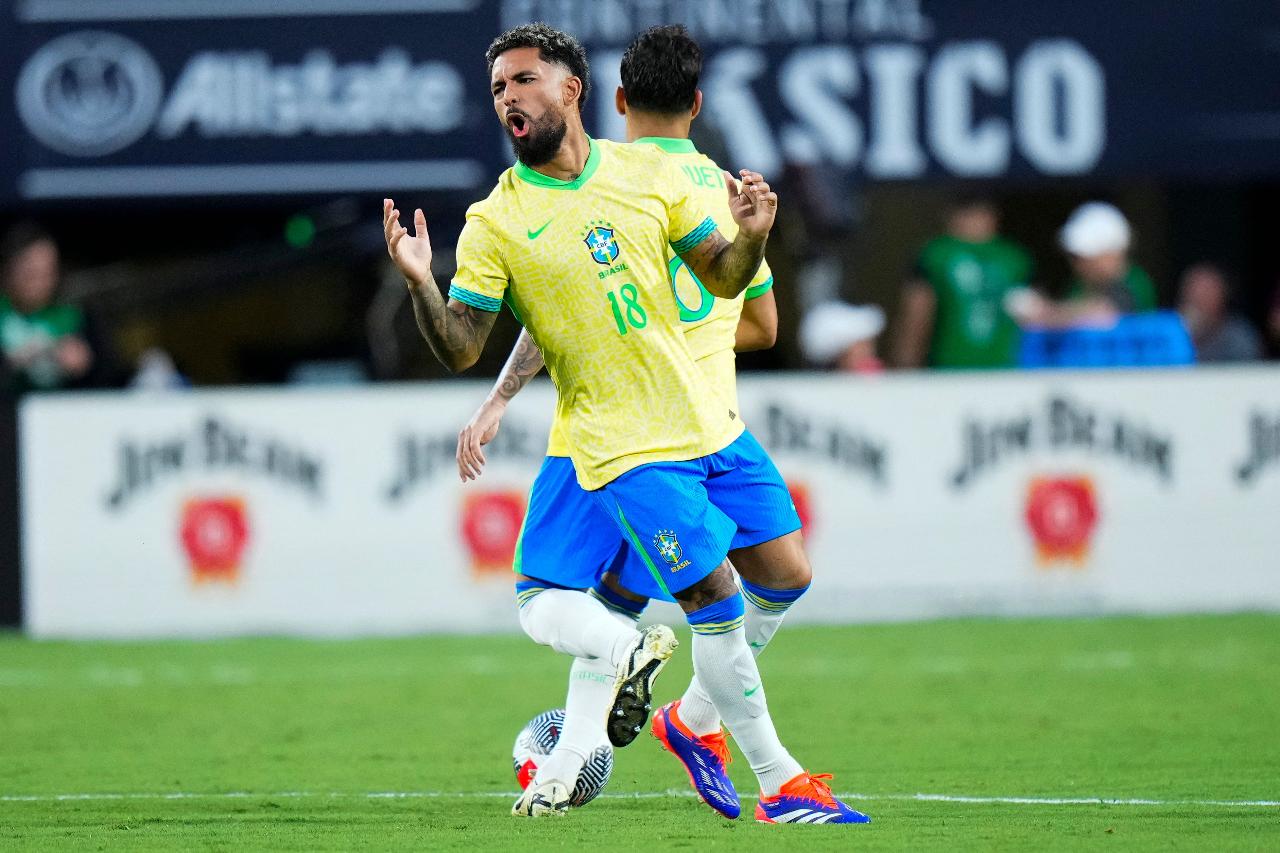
(952, 311)
(1218, 334)
(44, 343)
(1106, 283)
(157, 372)
(1096, 237)
(1273, 323)
(842, 337)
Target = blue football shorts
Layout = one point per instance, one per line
(681, 519)
(566, 539)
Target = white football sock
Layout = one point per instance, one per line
(577, 624)
(590, 688)
(697, 711)
(727, 670)
(586, 706)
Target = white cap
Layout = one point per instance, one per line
(1096, 228)
(830, 328)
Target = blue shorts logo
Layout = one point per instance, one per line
(601, 242)
(669, 549)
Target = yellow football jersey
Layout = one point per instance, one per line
(583, 264)
(710, 324)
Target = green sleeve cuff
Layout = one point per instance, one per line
(475, 300)
(694, 237)
(757, 290)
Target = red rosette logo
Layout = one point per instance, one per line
(491, 524)
(214, 533)
(1062, 513)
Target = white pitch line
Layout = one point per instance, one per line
(639, 795)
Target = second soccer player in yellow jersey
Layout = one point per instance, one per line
(660, 450)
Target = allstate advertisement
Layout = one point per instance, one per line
(147, 98)
(341, 512)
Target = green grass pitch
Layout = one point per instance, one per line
(404, 743)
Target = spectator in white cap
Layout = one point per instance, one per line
(1096, 238)
(843, 337)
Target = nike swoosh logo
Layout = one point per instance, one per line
(756, 645)
(533, 235)
(752, 690)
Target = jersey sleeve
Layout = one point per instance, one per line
(481, 280)
(762, 283)
(688, 224)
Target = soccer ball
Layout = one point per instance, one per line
(539, 737)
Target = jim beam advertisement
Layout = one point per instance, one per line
(490, 516)
(1062, 511)
(213, 524)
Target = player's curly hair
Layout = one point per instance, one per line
(660, 70)
(553, 46)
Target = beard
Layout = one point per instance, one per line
(541, 144)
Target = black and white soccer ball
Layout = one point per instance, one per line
(539, 737)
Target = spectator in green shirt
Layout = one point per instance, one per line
(952, 311)
(42, 342)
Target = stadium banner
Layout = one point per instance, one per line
(196, 98)
(340, 512)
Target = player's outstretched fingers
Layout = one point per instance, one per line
(732, 184)
(388, 207)
(469, 453)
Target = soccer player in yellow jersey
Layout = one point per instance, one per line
(574, 238)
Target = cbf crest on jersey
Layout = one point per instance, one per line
(601, 242)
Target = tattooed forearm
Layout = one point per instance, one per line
(455, 332)
(725, 268)
(523, 364)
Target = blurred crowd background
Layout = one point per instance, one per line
(190, 199)
(190, 193)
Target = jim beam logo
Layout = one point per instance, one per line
(797, 431)
(214, 532)
(1264, 447)
(1061, 514)
(1062, 425)
(491, 526)
(215, 446)
(420, 458)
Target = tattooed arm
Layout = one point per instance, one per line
(724, 268)
(523, 365)
(455, 331)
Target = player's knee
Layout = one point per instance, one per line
(780, 564)
(534, 602)
(714, 588)
(799, 574)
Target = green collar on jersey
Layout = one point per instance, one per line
(538, 179)
(669, 144)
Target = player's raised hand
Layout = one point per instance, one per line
(479, 431)
(411, 254)
(754, 206)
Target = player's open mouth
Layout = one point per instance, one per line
(519, 125)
